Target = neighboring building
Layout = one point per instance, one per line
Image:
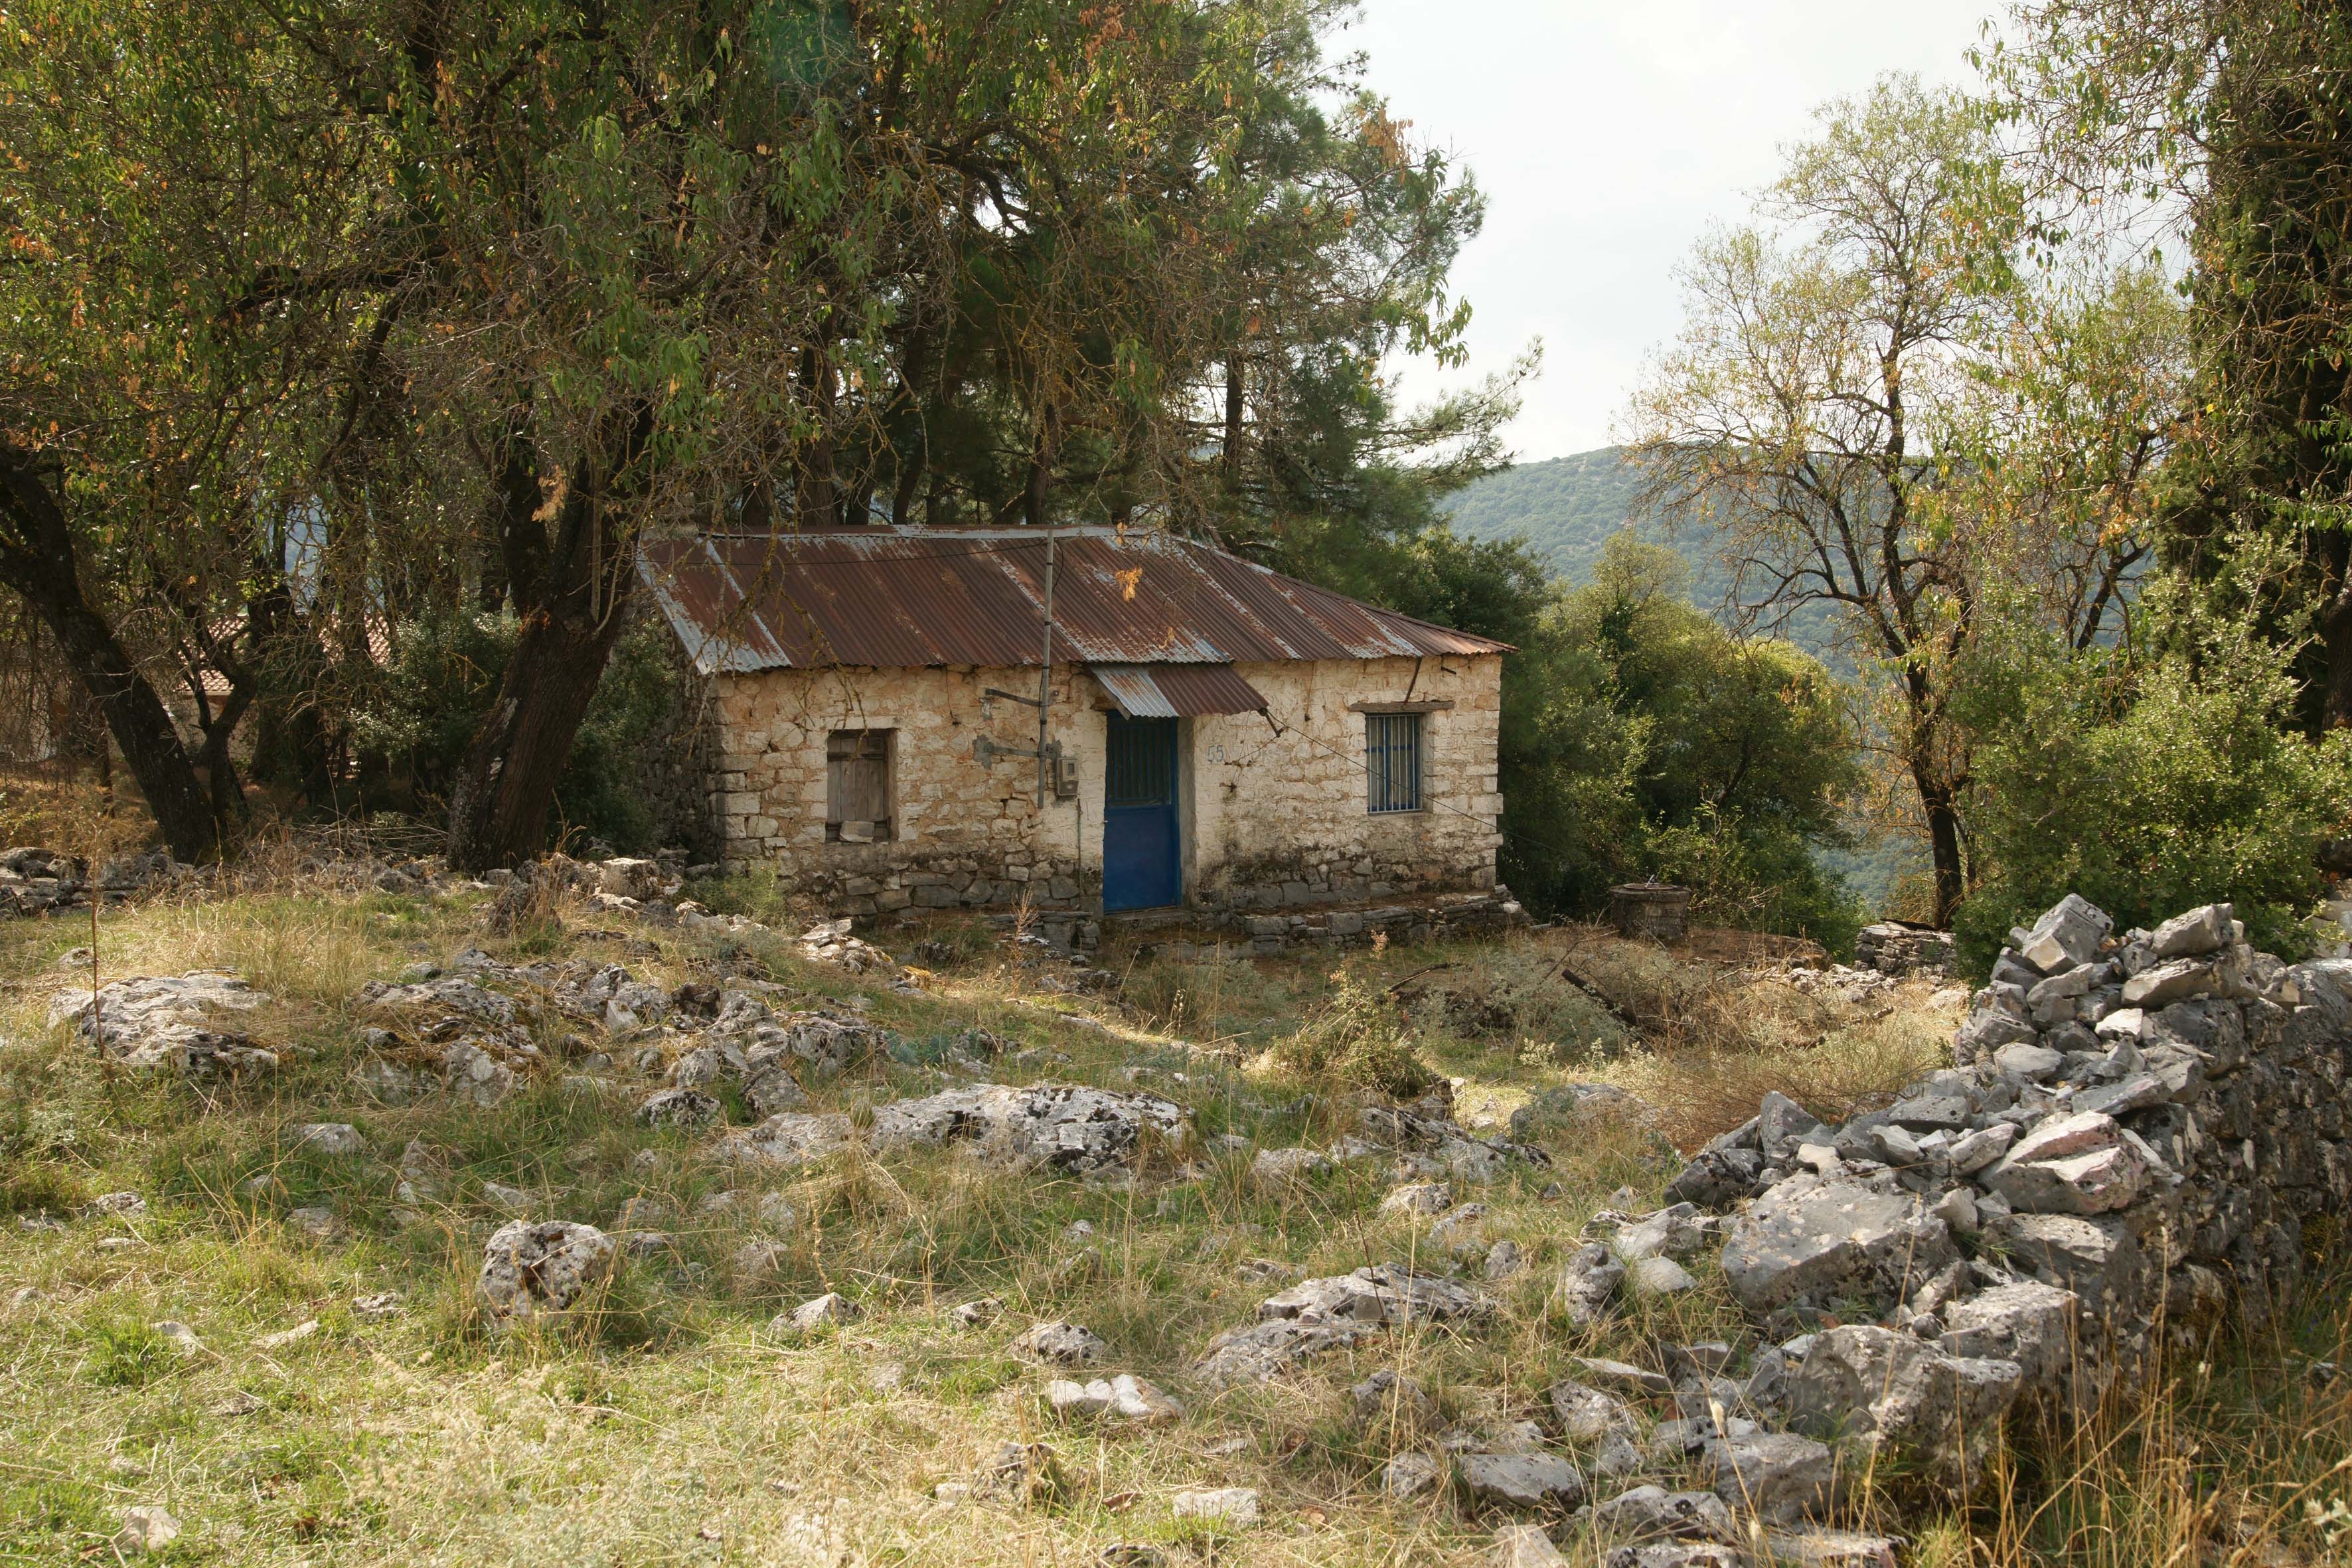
(1220, 736)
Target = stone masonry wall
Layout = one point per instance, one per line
(2133, 1136)
(1272, 820)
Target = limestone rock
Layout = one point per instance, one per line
(337, 1138)
(1669, 1233)
(1277, 1167)
(1124, 1398)
(2029, 1322)
(1532, 1482)
(1381, 1293)
(1227, 1508)
(1410, 1475)
(1525, 1546)
(1417, 1198)
(1652, 1513)
(1623, 1376)
(2194, 934)
(1386, 1399)
(1809, 1239)
(679, 1108)
(1026, 1474)
(1589, 1281)
(2097, 1183)
(1258, 1352)
(830, 1310)
(1897, 1391)
(1831, 1548)
(2070, 933)
(1675, 1554)
(1065, 1127)
(530, 1269)
(1661, 1277)
(789, 1139)
(1780, 1477)
(1061, 1342)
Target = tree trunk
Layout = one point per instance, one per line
(2336, 633)
(37, 560)
(817, 501)
(572, 586)
(1937, 801)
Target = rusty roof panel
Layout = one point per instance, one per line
(1196, 688)
(972, 597)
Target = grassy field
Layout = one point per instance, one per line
(308, 1421)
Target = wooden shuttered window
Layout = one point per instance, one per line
(1392, 762)
(858, 786)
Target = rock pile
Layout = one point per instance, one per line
(1064, 1127)
(2134, 1129)
(1899, 948)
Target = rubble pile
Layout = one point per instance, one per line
(1899, 948)
(2133, 1133)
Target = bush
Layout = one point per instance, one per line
(2149, 784)
(432, 696)
(1357, 1040)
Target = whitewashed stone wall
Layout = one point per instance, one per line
(1272, 820)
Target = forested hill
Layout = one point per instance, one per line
(1568, 507)
(1565, 508)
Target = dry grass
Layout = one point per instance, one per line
(670, 1424)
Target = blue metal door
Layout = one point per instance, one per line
(1142, 864)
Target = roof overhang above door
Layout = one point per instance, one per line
(1177, 690)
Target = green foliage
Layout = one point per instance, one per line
(424, 709)
(1357, 1039)
(2150, 781)
(126, 1353)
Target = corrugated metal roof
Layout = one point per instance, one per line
(891, 596)
(1177, 690)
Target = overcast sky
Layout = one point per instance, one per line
(1608, 134)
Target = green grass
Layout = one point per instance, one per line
(666, 1422)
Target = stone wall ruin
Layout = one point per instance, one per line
(2135, 1131)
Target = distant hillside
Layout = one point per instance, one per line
(1567, 508)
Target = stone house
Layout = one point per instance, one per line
(1218, 738)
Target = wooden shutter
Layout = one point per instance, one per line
(857, 783)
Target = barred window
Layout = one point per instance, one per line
(858, 786)
(1392, 761)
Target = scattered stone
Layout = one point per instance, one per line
(1661, 1277)
(1258, 1352)
(1587, 1414)
(319, 1224)
(1267, 1271)
(1410, 1475)
(1417, 1200)
(147, 1528)
(337, 1138)
(239, 1404)
(1533, 1482)
(1063, 1127)
(1587, 1284)
(1125, 1398)
(976, 1314)
(376, 1308)
(1061, 1343)
(1889, 1389)
(1526, 1546)
(123, 1206)
(1276, 1167)
(679, 1108)
(1652, 1513)
(1832, 1549)
(530, 1269)
(788, 1139)
(1226, 1507)
(1675, 1554)
(1504, 1260)
(830, 1310)
(1780, 1477)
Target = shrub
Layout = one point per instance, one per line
(2149, 784)
(1356, 1039)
